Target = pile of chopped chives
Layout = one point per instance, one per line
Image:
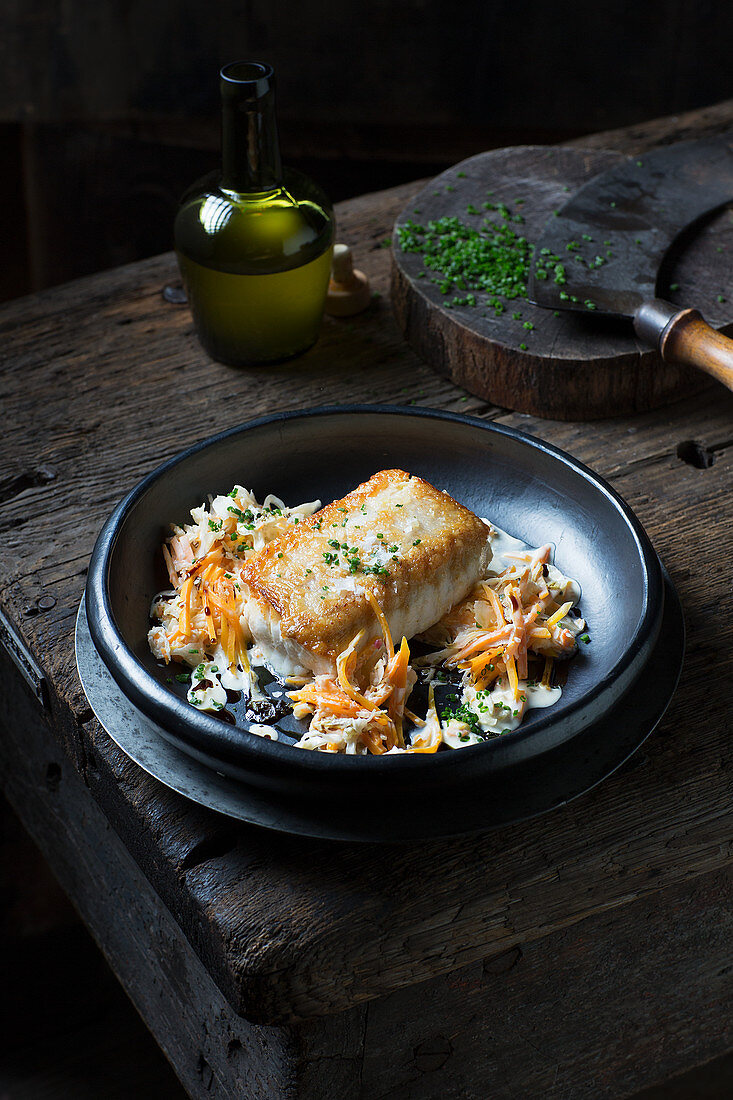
(493, 259)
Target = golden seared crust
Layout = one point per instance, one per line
(417, 549)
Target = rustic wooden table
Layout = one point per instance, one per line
(582, 954)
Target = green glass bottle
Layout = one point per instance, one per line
(254, 243)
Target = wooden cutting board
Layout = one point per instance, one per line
(575, 367)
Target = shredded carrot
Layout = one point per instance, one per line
(184, 618)
(209, 575)
(373, 742)
(362, 704)
(495, 603)
(329, 697)
(478, 664)
(198, 566)
(344, 667)
(484, 639)
(397, 675)
(225, 639)
(227, 609)
(336, 707)
(382, 622)
(488, 676)
(208, 614)
(559, 614)
(511, 671)
(416, 747)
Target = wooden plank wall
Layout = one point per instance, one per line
(108, 111)
(484, 63)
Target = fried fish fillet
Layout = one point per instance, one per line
(416, 549)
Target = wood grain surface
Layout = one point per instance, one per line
(566, 365)
(103, 379)
(632, 982)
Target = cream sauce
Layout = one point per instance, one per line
(263, 730)
(496, 710)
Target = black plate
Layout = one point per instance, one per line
(567, 772)
(529, 488)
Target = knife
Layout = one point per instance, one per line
(602, 250)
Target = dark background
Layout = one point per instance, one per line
(109, 109)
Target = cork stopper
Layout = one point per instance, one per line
(348, 289)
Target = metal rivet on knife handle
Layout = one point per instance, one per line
(684, 336)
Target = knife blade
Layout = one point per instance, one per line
(601, 252)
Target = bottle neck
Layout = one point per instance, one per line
(250, 149)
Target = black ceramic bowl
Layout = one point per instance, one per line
(527, 487)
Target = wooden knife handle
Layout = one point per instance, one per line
(684, 336)
(688, 338)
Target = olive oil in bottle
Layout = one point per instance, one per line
(254, 243)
